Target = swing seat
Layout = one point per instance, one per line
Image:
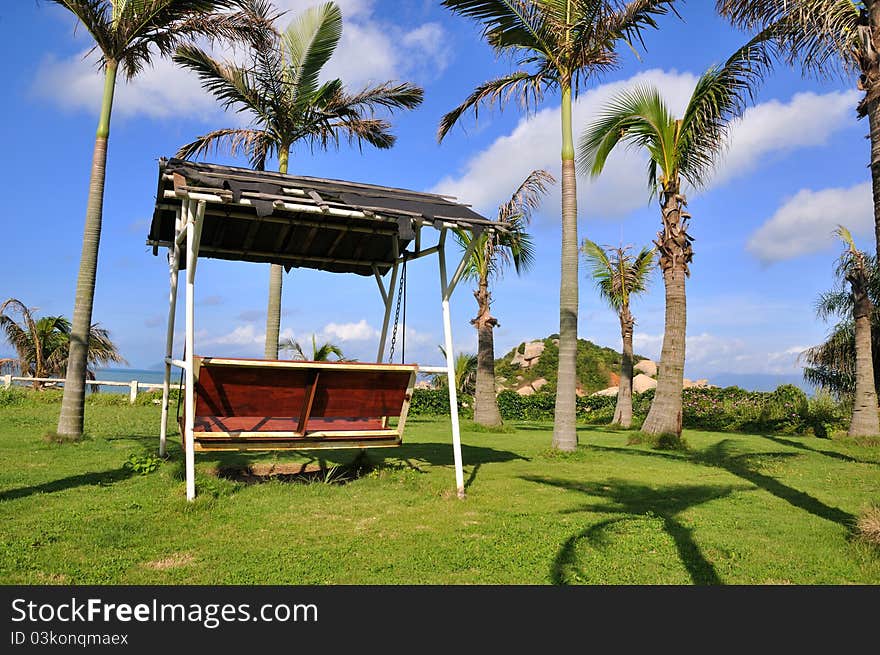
(254, 404)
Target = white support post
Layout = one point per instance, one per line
(388, 297)
(450, 368)
(132, 392)
(174, 274)
(193, 237)
(7, 380)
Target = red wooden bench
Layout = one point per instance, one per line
(252, 404)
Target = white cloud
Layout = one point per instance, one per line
(369, 51)
(491, 175)
(162, 91)
(807, 120)
(708, 353)
(804, 224)
(360, 331)
(243, 335)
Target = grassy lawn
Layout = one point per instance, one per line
(735, 509)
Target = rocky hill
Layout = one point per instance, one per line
(532, 366)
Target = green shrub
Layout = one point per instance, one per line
(142, 464)
(435, 402)
(12, 396)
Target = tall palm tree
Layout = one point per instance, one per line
(679, 150)
(128, 34)
(43, 345)
(491, 255)
(281, 92)
(855, 269)
(619, 275)
(319, 353)
(825, 38)
(559, 45)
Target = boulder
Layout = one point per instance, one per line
(526, 390)
(532, 351)
(647, 367)
(610, 391)
(687, 384)
(641, 383)
(537, 384)
(424, 384)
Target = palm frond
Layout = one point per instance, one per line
(527, 87)
(309, 42)
(637, 117)
(721, 94)
(256, 144)
(508, 23)
(821, 36)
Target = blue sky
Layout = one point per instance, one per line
(795, 168)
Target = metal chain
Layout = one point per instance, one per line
(397, 314)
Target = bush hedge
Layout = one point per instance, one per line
(731, 409)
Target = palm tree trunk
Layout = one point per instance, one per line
(485, 403)
(564, 424)
(871, 106)
(273, 311)
(624, 410)
(874, 121)
(676, 252)
(865, 418)
(70, 421)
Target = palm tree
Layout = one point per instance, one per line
(856, 270)
(465, 373)
(43, 345)
(619, 275)
(558, 45)
(491, 255)
(127, 34)
(287, 104)
(319, 353)
(831, 365)
(825, 37)
(679, 150)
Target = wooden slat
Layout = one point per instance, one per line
(307, 406)
(282, 445)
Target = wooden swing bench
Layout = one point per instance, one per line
(254, 404)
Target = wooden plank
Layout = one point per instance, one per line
(294, 363)
(244, 446)
(307, 406)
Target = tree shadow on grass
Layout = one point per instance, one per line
(828, 453)
(744, 466)
(636, 500)
(101, 478)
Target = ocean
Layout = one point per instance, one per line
(129, 374)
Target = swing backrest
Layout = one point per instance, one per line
(300, 404)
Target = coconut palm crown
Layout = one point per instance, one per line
(558, 46)
(281, 91)
(679, 150)
(619, 275)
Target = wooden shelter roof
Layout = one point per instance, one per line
(296, 221)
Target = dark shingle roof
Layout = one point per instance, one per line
(297, 221)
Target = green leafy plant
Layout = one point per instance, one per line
(142, 464)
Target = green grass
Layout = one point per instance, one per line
(733, 509)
